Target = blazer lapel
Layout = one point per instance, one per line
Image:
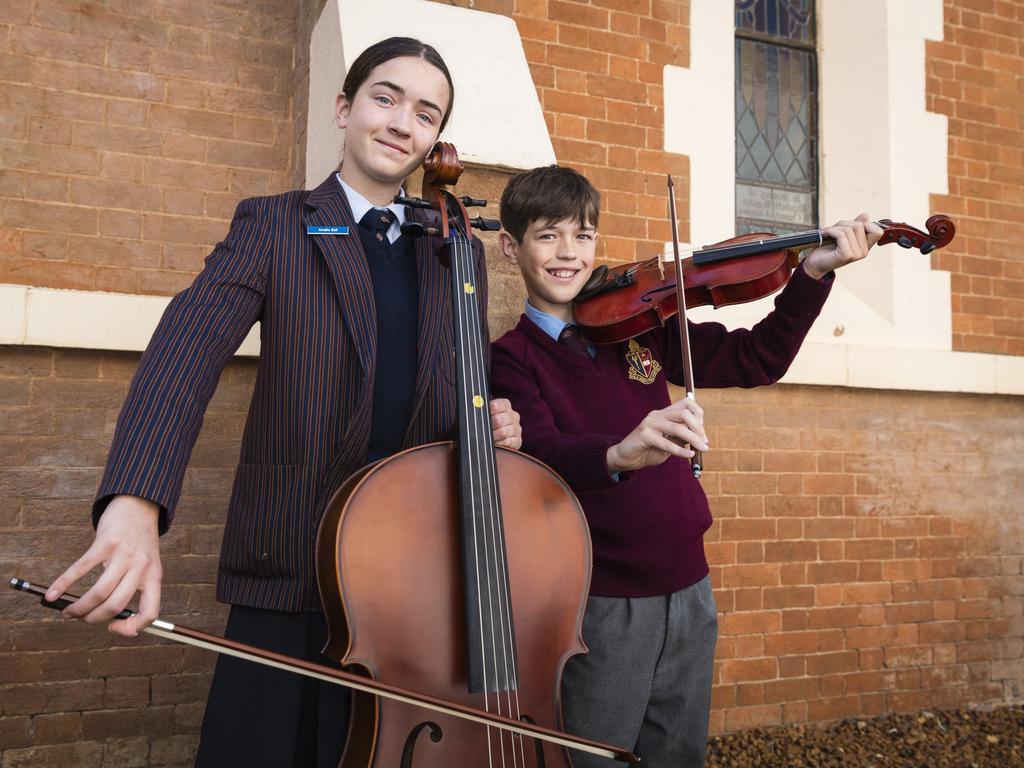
(346, 261)
(434, 311)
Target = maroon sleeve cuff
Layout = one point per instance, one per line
(589, 464)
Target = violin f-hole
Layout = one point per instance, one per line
(436, 734)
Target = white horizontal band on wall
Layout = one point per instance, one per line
(48, 317)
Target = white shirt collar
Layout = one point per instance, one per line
(360, 205)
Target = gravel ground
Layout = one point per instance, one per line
(929, 739)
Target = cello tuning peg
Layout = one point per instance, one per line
(415, 229)
(487, 225)
(413, 202)
(472, 202)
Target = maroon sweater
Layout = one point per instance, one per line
(647, 529)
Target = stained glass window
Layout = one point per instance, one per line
(776, 116)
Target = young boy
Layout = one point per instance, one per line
(602, 417)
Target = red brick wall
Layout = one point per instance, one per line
(131, 129)
(867, 554)
(598, 70)
(72, 694)
(976, 78)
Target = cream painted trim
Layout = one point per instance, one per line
(880, 152)
(48, 317)
(900, 369)
(497, 119)
(700, 120)
(92, 320)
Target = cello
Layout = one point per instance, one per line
(457, 568)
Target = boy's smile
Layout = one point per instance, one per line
(556, 259)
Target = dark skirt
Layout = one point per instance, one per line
(257, 716)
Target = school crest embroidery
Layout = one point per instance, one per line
(642, 367)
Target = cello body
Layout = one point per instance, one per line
(393, 531)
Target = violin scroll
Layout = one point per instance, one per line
(940, 232)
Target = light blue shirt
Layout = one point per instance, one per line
(360, 205)
(551, 325)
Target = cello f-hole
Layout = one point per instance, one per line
(539, 750)
(436, 734)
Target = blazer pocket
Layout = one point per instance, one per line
(446, 364)
(269, 523)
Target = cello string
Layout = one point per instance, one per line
(480, 446)
(485, 465)
(494, 509)
(463, 303)
(465, 406)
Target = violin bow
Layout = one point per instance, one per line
(697, 462)
(194, 637)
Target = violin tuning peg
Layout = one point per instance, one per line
(472, 202)
(487, 225)
(904, 242)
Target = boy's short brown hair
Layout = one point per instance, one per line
(550, 194)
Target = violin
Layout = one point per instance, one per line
(622, 302)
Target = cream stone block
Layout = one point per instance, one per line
(700, 120)
(86, 319)
(873, 367)
(881, 152)
(497, 119)
(12, 314)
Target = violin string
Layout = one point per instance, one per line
(500, 548)
(632, 269)
(465, 415)
(487, 468)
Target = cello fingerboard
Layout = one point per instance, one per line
(491, 647)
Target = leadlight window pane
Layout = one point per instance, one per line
(776, 171)
(791, 20)
(776, 117)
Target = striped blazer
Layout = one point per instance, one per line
(308, 425)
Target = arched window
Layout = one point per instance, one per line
(776, 116)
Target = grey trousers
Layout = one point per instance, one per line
(646, 683)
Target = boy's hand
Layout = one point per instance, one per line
(661, 434)
(507, 430)
(127, 546)
(853, 241)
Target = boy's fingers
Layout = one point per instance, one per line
(665, 445)
(684, 426)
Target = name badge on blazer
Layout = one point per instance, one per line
(326, 230)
